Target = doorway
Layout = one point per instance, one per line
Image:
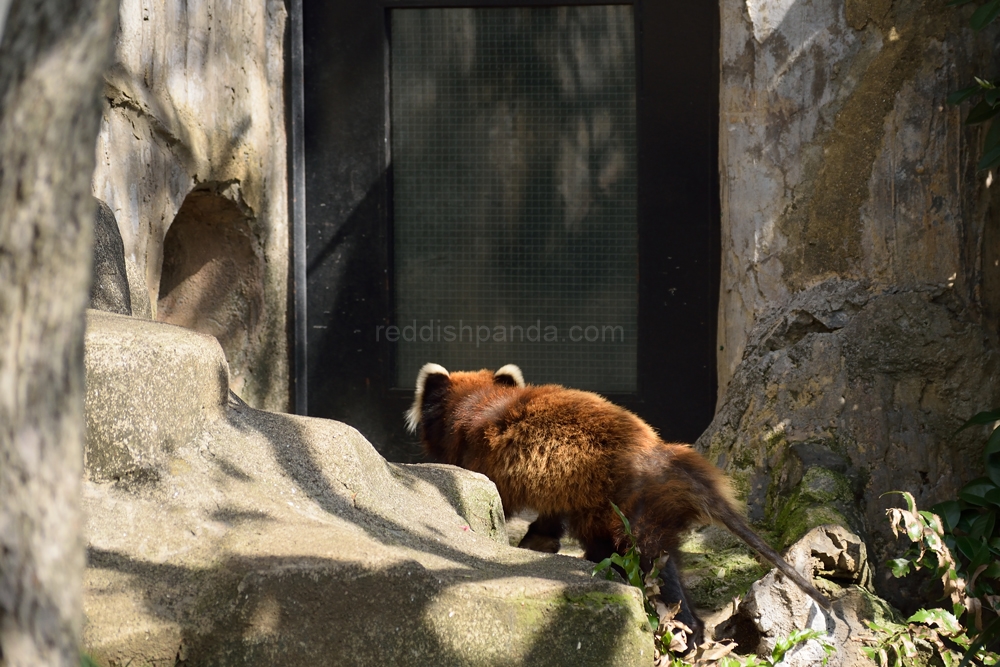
(491, 183)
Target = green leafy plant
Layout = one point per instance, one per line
(929, 632)
(670, 636)
(935, 634)
(713, 654)
(629, 562)
(984, 94)
(971, 528)
(781, 649)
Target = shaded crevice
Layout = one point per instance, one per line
(213, 276)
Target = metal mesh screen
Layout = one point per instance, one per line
(513, 153)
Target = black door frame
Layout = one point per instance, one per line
(341, 174)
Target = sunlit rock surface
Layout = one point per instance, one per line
(219, 534)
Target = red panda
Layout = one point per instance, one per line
(569, 454)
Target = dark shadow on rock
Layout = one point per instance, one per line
(230, 469)
(300, 611)
(300, 466)
(446, 483)
(233, 517)
(109, 279)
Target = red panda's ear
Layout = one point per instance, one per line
(432, 383)
(509, 376)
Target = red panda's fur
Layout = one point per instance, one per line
(568, 454)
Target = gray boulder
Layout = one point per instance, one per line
(774, 607)
(219, 534)
(846, 393)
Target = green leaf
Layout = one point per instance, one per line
(932, 520)
(990, 159)
(993, 443)
(975, 491)
(949, 541)
(992, 464)
(950, 512)
(783, 645)
(933, 541)
(967, 546)
(982, 417)
(988, 634)
(653, 620)
(939, 617)
(982, 527)
(991, 153)
(963, 94)
(911, 504)
(991, 572)
(981, 113)
(981, 556)
(983, 16)
(628, 526)
(992, 96)
(900, 567)
(603, 566)
(993, 497)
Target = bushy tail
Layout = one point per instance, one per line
(676, 488)
(738, 525)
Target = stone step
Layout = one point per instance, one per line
(223, 535)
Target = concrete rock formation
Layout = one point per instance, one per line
(839, 157)
(220, 534)
(774, 607)
(845, 394)
(860, 273)
(191, 160)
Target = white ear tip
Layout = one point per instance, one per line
(430, 369)
(413, 414)
(513, 371)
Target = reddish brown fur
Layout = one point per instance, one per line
(567, 453)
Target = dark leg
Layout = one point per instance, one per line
(599, 549)
(543, 534)
(672, 591)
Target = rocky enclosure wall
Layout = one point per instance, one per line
(858, 314)
(860, 264)
(193, 140)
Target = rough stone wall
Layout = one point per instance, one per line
(839, 155)
(194, 112)
(859, 271)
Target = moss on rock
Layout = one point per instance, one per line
(822, 497)
(717, 567)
